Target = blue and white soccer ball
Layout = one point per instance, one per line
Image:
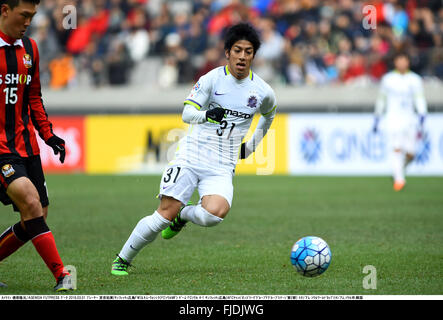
(311, 256)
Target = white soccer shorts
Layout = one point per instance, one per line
(404, 139)
(179, 182)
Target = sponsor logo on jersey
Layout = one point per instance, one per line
(7, 170)
(238, 114)
(230, 112)
(11, 78)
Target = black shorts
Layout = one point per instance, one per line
(13, 167)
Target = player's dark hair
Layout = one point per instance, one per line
(14, 3)
(242, 31)
(399, 54)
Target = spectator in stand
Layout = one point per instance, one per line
(62, 71)
(119, 63)
(47, 44)
(356, 70)
(398, 19)
(294, 72)
(137, 39)
(195, 40)
(213, 59)
(268, 57)
(344, 55)
(315, 67)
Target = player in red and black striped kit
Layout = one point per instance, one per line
(22, 182)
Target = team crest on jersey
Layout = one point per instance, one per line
(27, 61)
(7, 170)
(252, 102)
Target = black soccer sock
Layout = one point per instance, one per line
(35, 227)
(11, 240)
(20, 233)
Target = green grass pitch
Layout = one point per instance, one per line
(361, 218)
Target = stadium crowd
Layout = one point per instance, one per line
(304, 41)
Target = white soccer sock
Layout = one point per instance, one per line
(144, 232)
(199, 215)
(398, 166)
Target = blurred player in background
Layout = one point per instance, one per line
(22, 182)
(219, 110)
(401, 99)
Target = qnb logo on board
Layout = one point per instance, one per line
(310, 146)
(348, 145)
(423, 149)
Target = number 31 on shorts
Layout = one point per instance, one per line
(171, 174)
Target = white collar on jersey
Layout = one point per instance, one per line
(17, 42)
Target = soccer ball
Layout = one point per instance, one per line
(311, 256)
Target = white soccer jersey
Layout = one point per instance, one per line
(217, 145)
(399, 95)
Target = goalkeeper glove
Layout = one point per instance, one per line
(58, 145)
(215, 115)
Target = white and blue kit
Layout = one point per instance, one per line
(206, 157)
(401, 100)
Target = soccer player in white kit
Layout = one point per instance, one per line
(401, 99)
(219, 109)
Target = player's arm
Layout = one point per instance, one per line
(264, 123)
(38, 112)
(199, 97)
(380, 105)
(192, 115)
(420, 101)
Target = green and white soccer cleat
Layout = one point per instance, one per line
(176, 226)
(120, 267)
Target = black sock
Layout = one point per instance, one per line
(20, 233)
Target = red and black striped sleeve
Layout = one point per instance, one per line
(38, 112)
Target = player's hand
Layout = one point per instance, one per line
(244, 151)
(215, 115)
(375, 126)
(421, 123)
(421, 129)
(58, 145)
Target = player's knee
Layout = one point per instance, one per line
(209, 219)
(169, 208)
(217, 209)
(31, 207)
(220, 212)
